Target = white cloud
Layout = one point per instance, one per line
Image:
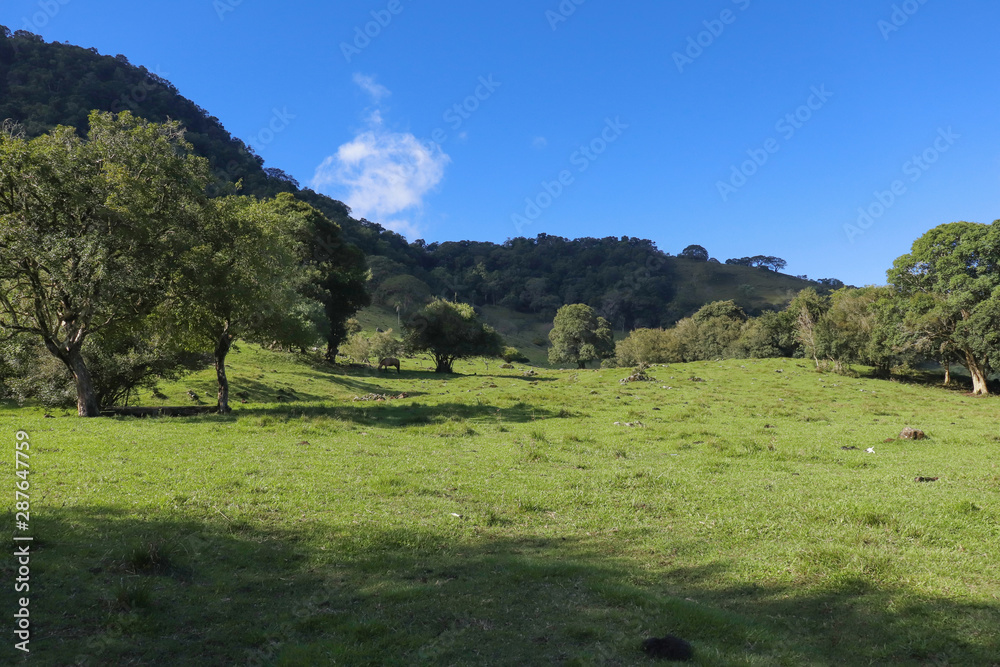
(381, 174)
(408, 229)
(368, 84)
(539, 143)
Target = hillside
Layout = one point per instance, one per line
(628, 280)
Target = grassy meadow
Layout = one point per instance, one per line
(499, 518)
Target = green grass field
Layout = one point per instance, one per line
(503, 519)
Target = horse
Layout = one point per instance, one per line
(387, 362)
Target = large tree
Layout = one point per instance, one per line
(89, 229)
(950, 285)
(695, 252)
(244, 279)
(451, 331)
(579, 336)
(339, 272)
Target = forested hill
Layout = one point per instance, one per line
(628, 280)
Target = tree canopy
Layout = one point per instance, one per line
(950, 284)
(761, 261)
(696, 252)
(89, 229)
(242, 277)
(450, 331)
(579, 336)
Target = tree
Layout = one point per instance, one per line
(451, 331)
(759, 261)
(775, 263)
(244, 280)
(951, 277)
(339, 270)
(89, 229)
(862, 326)
(772, 334)
(578, 336)
(717, 327)
(696, 252)
(810, 308)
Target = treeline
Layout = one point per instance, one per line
(627, 279)
(942, 304)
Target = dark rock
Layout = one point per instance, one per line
(668, 648)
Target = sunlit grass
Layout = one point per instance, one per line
(499, 519)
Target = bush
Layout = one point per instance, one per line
(357, 348)
(362, 348)
(512, 355)
(649, 346)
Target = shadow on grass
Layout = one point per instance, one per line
(932, 375)
(401, 413)
(393, 414)
(233, 591)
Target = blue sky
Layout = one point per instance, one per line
(748, 127)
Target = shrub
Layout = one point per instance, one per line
(649, 346)
(513, 355)
(362, 348)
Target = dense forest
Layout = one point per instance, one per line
(629, 281)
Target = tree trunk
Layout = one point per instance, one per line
(443, 364)
(978, 373)
(86, 398)
(581, 364)
(947, 373)
(221, 350)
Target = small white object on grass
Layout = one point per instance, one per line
(870, 450)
